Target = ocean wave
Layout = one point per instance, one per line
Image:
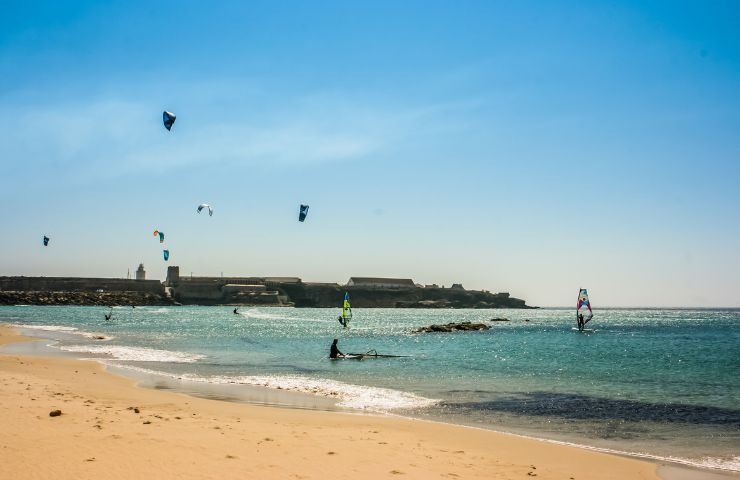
(48, 328)
(349, 395)
(135, 354)
(157, 310)
(64, 329)
(268, 316)
(731, 464)
(375, 399)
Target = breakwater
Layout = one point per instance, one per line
(81, 291)
(244, 291)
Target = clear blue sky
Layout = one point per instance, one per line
(530, 147)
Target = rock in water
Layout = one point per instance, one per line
(451, 327)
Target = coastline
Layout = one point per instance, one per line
(175, 435)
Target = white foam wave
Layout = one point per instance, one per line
(135, 354)
(350, 396)
(267, 316)
(373, 399)
(158, 310)
(64, 329)
(48, 328)
(262, 315)
(715, 463)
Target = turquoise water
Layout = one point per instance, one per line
(660, 382)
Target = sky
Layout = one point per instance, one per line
(529, 147)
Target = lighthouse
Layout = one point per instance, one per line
(140, 272)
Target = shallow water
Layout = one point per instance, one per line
(661, 382)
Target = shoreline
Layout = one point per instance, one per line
(656, 467)
(291, 399)
(95, 411)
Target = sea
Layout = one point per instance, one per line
(656, 383)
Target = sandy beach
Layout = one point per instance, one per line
(109, 428)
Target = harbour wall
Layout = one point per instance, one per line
(256, 291)
(331, 295)
(81, 291)
(78, 284)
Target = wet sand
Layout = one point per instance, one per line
(110, 428)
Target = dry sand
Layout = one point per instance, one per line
(109, 428)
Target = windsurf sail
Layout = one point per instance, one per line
(346, 310)
(583, 303)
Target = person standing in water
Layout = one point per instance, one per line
(581, 323)
(334, 351)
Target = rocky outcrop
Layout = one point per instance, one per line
(82, 298)
(453, 327)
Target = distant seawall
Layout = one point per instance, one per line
(78, 284)
(253, 291)
(330, 295)
(81, 291)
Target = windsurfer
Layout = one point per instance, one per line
(581, 323)
(235, 311)
(342, 321)
(334, 352)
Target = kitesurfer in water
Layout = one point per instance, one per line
(235, 311)
(334, 352)
(581, 323)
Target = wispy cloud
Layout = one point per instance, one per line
(118, 135)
